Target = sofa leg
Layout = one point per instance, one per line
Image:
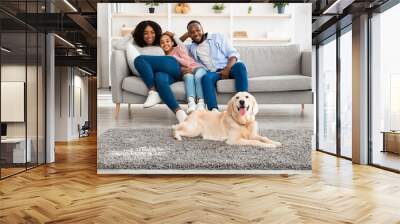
(129, 111)
(117, 109)
(302, 108)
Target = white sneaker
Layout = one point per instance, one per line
(200, 105)
(191, 105)
(180, 116)
(152, 99)
(215, 110)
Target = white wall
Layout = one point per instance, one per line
(62, 84)
(302, 25)
(17, 73)
(103, 46)
(67, 116)
(80, 83)
(34, 125)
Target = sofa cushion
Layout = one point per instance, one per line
(178, 88)
(271, 60)
(136, 85)
(269, 84)
(131, 54)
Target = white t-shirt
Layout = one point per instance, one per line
(203, 51)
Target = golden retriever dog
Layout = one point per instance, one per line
(236, 126)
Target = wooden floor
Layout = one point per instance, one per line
(70, 191)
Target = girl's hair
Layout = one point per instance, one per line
(171, 37)
(138, 33)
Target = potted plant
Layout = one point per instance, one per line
(152, 6)
(281, 6)
(249, 9)
(218, 8)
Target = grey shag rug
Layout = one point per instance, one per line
(156, 149)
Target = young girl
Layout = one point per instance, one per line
(191, 70)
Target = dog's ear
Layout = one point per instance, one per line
(229, 109)
(254, 106)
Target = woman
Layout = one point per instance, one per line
(157, 72)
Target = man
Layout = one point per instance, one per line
(222, 61)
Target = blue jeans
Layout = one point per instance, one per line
(193, 85)
(160, 72)
(163, 84)
(238, 72)
(147, 66)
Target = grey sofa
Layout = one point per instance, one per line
(276, 74)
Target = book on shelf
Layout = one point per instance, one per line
(240, 34)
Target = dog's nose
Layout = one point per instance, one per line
(241, 102)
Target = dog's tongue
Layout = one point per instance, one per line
(242, 111)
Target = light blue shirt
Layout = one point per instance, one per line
(220, 50)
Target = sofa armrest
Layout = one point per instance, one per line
(119, 70)
(306, 63)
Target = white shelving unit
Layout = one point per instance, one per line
(258, 25)
(275, 40)
(141, 15)
(200, 15)
(267, 16)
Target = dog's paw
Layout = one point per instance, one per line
(177, 136)
(173, 127)
(277, 144)
(268, 145)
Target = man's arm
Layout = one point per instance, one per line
(184, 37)
(225, 72)
(227, 49)
(230, 53)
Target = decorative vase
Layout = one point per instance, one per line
(218, 10)
(182, 8)
(281, 9)
(151, 10)
(185, 10)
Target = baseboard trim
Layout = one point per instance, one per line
(202, 172)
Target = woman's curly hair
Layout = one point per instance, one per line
(138, 33)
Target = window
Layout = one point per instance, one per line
(327, 97)
(346, 94)
(385, 88)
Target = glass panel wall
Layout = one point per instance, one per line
(13, 87)
(22, 88)
(327, 96)
(346, 93)
(385, 89)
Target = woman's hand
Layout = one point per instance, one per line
(186, 70)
